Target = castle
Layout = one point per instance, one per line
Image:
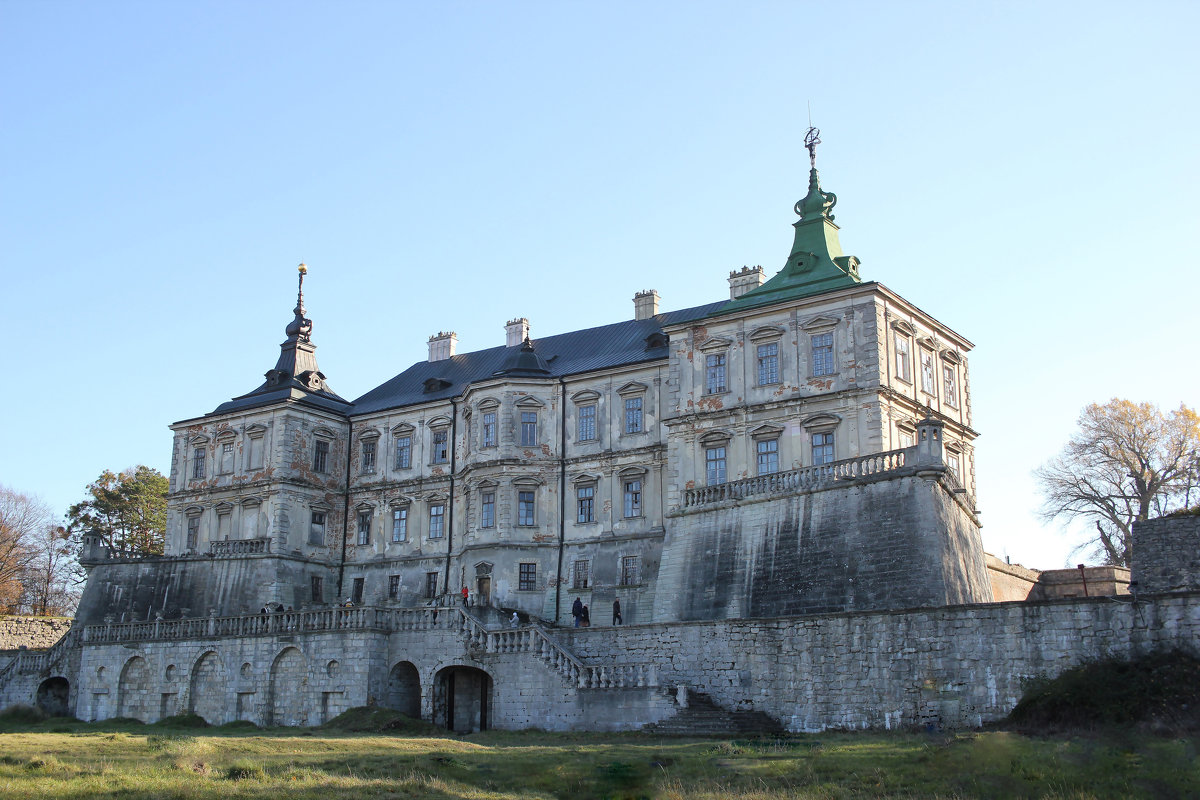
(765, 486)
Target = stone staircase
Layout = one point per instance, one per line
(701, 716)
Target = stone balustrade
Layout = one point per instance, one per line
(239, 547)
(797, 480)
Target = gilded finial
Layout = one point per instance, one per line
(303, 268)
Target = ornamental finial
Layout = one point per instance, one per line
(300, 326)
(812, 138)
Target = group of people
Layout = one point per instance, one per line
(583, 617)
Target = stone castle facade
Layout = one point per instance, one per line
(801, 448)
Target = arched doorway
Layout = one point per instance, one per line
(404, 690)
(289, 689)
(209, 686)
(53, 697)
(462, 699)
(131, 689)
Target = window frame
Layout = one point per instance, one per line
(487, 507)
(393, 587)
(827, 444)
(582, 503)
(633, 504)
(192, 532)
(772, 453)
(821, 361)
(585, 423)
(527, 576)
(403, 445)
(716, 373)
(431, 579)
(581, 574)
(529, 428)
(631, 570)
(437, 512)
(399, 524)
(771, 377)
(316, 588)
(320, 460)
(635, 415)
(198, 459)
(363, 527)
(903, 359)
(488, 427)
(928, 373)
(369, 452)
(439, 446)
(225, 464)
(526, 508)
(713, 458)
(314, 525)
(950, 385)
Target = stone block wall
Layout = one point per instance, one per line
(1166, 555)
(34, 633)
(952, 667)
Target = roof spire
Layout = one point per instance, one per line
(816, 263)
(300, 328)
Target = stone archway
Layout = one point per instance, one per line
(404, 689)
(208, 689)
(288, 693)
(53, 697)
(462, 699)
(132, 688)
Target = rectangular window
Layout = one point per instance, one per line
(368, 457)
(318, 589)
(580, 574)
(316, 528)
(399, 524)
(224, 526)
(954, 462)
(714, 465)
(585, 429)
(768, 364)
(441, 447)
(633, 415)
(437, 521)
(822, 448)
(430, 585)
(927, 372)
(822, 354)
(226, 458)
(768, 456)
(633, 498)
(489, 429)
(525, 512)
(586, 497)
(951, 384)
(198, 463)
(364, 527)
(714, 374)
(528, 428)
(255, 444)
(907, 439)
(193, 532)
(528, 577)
(629, 571)
(903, 359)
(321, 456)
(356, 594)
(403, 452)
(393, 587)
(487, 510)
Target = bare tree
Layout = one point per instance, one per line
(52, 580)
(22, 519)
(1127, 462)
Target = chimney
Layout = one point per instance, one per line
(645, 304)
(516, 331)
(743, 280)
(442, 346)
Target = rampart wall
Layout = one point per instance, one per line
(1166, 555)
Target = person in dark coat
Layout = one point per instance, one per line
(587, 618)
(577, 611)
(617, 611)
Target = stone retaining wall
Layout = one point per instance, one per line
(1166, 555)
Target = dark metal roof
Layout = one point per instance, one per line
(565, 354)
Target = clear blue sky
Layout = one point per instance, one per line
(1026, 172)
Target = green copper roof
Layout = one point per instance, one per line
(816, 264)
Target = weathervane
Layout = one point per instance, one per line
(812, 138)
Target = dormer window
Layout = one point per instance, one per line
(436, 384)
(656, 340)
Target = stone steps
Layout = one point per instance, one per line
(703, 717)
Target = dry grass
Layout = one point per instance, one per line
(62, 759)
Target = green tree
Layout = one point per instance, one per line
(1126, 462)
(127, 510)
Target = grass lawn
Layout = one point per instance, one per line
(67, 759)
